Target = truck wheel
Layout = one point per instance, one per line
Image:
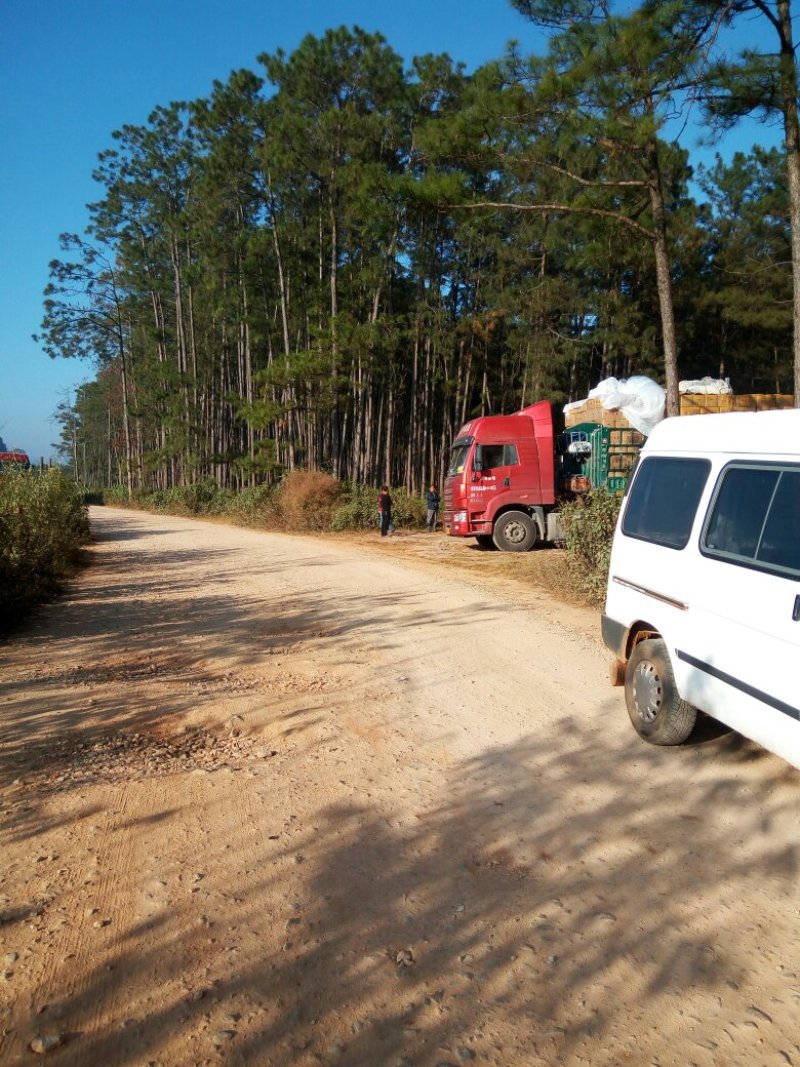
(515, 531)
(486, 541)
(658, 713)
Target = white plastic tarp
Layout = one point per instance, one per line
(718, 386)
(641, 400)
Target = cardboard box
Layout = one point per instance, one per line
(691, 404)
(593, 411)
(704, 404)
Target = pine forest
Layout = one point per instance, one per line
(336, 259)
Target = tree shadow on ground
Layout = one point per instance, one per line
(553, 910)
(564, 900)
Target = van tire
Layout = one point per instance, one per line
(486, 541)
(515, 531)
(658, 713)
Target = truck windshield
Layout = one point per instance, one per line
(458, 456)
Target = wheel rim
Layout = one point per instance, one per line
(648, 692)
(515, 533)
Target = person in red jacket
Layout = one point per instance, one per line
(385, 510)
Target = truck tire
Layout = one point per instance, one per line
(659, 715)
(486, 542)
(515, 531)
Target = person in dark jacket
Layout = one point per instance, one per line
(433, 508)
(385, 510)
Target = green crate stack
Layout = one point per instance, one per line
(614, 452)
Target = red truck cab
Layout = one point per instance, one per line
(500, 485)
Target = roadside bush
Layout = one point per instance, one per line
(43, 523)
(255, 506)
(302, 500)
(202, 498)
(589, 528)
(116, 496)
(307, 500)
(359, 509)
(408, 512)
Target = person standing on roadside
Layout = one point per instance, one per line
(433, 500)
(385, 510)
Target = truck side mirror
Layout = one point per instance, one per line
(477, 459)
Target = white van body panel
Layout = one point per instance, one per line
(729, 629)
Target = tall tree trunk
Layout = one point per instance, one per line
(334, 286)
(788, 67)
(663, 279)
(126, 418)
(414, 416)
(388, 465)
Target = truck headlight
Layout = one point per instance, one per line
(459, 516)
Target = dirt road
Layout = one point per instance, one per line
(276, 800)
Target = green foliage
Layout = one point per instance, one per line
(203, 498)
(303, 501)
(408, 510)
(43, 523)
(116, 496)
(589, 529)
(334, 264)
(359, 509)
(253, 506)
(747, 301)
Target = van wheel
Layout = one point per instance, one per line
(657, 712)
(515, 531)
(486, 541)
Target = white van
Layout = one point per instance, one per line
(703, 602)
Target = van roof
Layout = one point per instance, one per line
(771, 432)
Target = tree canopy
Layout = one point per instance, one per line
(335, 262)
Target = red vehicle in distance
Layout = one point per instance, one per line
(14, 459)
(508, 475)
(501, 481)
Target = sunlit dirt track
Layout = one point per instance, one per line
(282, 800)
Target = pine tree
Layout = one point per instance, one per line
(759, 83)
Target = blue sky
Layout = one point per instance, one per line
(71, 72)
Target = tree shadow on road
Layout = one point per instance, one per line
(554, 911)
(563, 899)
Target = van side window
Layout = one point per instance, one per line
(662, 502)
(739, 511)
(780, 543)
(755, 518)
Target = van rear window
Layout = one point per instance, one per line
(662, 502)
(755, 518)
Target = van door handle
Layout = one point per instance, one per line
(796, 612)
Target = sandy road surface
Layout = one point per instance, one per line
(274, 800)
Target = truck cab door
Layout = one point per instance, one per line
(495, 467)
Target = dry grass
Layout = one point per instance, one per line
(306, 500)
